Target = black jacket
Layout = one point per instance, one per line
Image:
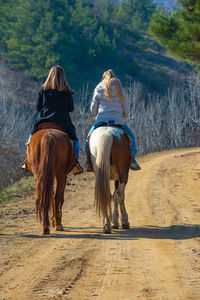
(54, 106)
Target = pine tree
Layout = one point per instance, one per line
(77, 34)
(33, 32)
(179, 31)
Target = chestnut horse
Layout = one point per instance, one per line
(50, 157)
(110, 158)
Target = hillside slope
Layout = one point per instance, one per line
(158, 72)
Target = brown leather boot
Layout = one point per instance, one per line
(77, 168)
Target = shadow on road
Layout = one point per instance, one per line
(174, 232)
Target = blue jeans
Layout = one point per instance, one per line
(76, 146)
(125, 127)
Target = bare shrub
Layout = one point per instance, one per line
(165, 122)
(158, 122)
(81, 117)
(16, 113)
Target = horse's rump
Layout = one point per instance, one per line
(115, 143)
(59, 146)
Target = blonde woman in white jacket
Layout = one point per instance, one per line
(110, 107)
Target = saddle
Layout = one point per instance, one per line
(110, 123)
(51, 125)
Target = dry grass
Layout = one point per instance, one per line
(24, 187)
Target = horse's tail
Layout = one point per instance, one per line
(45, 178)
(102, 171)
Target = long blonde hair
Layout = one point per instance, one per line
(56, 80)
(109, 79)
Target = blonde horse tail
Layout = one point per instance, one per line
(45, 178)
(102, 171)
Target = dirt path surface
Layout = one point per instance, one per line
(157, 259)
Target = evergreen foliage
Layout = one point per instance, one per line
(179, 31)
(80, 35)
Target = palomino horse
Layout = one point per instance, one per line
(50, 157)
(110, 158)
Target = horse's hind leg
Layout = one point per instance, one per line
(107, 214)
(115, 214)
(53, 212)
(124, 215)
(59, 200)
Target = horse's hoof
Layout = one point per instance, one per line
(59, 228)
(45, 232)
(126, 226)
(115, 226)
(107, 230)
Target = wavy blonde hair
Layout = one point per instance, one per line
(109, 80)
(56, 80)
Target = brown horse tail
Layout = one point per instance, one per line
(45, 179)
(102, 171)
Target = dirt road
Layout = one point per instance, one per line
(157, 259)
